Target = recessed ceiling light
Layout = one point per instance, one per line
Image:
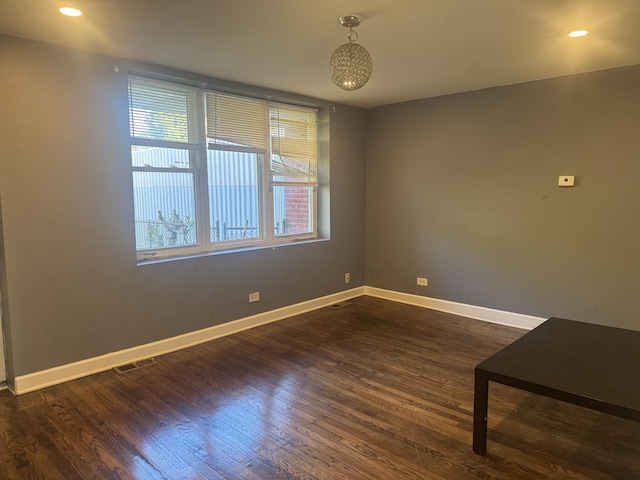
(578, 33)
(70, 11)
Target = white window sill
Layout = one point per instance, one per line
(168, 257)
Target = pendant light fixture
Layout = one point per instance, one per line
(350, 65)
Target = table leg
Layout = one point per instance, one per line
(480, 410)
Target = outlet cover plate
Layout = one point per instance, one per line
(566, 180)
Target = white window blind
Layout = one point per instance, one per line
(294, 144)
(234, 121)
(162, 111)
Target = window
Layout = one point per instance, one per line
(215, 171)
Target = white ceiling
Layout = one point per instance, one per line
(420, 48)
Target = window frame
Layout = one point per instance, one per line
(200, 172)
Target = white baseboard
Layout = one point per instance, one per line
(71, 371)
(491, 315)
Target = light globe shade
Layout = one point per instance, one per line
(350, 66)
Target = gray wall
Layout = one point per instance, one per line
(463, 190)
(460, 189)
(72, 287)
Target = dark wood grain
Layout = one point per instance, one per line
(372, 390)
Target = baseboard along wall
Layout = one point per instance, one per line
(490, 315)
(71, 371)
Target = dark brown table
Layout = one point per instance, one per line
(593, 366)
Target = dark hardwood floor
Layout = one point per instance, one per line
(371, 390)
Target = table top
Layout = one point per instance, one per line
(584, 359)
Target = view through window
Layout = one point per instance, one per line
(214, 171)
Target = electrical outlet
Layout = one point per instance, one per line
(347, 277)
(254, 297)
(423, 282)
(566, 181)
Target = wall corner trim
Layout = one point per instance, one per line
(71, 371)
(490, 315)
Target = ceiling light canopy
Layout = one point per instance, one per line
(70, 11)
(350, 65)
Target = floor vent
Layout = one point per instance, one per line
(134, 365)
(336, 306)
